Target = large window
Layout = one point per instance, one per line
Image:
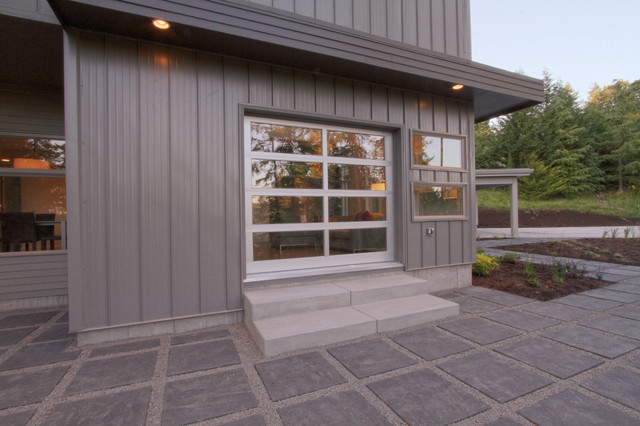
(437, 151)
(33, 210)
(432, 200)
(316, 195)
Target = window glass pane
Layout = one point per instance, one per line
(349, 176)
(426, 150)
(33, 212)
(287, 245)
(285, 139)
(355, 145)
(272, 209)
(451, 152)
(349, 241)
(285, 174)
(348, 209)
(438, 201)
(31, 153)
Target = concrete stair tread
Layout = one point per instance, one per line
(383, 288)
(280, 294)
(405, 312)
(290, 332)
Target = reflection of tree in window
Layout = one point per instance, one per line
(355, 145)
(49, 151)
(350, 176)
(285, 139)
(436, 201)
(286, 174)
(282, 209)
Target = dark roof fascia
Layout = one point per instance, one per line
(265, 34)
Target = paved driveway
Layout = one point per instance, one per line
(503, 360)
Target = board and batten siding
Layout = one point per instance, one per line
(31, 112)
(28, 276)
(159, 203)
(439, 25)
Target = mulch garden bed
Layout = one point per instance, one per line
(511, 278)
(493, 218)
(612, 250)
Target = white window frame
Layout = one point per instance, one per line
(326, 260)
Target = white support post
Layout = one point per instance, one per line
(514, 208)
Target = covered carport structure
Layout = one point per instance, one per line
(495, 178)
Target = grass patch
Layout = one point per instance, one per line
(611, 203)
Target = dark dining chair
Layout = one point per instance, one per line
(18, 228)
(45, 233)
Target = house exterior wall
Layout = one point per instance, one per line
(155, 223)
(36, 10)
(438, 25)
(31, 112)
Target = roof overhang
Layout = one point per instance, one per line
(263, 34)
(494, 178)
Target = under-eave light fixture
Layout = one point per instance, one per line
(161, 24)
(457, 86)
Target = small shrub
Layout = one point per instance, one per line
(533, 281)
(605, 233)
(484, 265)
(614, 233)
(510, 258)
(559, 270)
(529, 266)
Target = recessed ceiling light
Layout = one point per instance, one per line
(161, 24)
(457, 86)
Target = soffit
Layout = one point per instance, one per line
(263, 34)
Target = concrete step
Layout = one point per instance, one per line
(368, 290)
(273, 302)
(287, 333)
(395, 314)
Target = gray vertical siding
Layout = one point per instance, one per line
(160, 185)
(439, 25)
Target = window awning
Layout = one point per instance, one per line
(264, 34)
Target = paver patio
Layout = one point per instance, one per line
(504, 360)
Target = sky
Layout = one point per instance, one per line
(580, 42)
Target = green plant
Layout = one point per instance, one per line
(605, 233)
(529, 266)
(614, 233)
(559, 270)
(510, 258)
(533, 281)
(484, 265)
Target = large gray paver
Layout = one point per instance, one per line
(112, 372)
(557, 311)
(256, 420)
(502, 298)
(635, 363)
(623, 326)
(344, 408)
(126, 347)
(503, 421)
(23, 320)
(619, 384)
(431, 343)
(571, 408)
(472, 305)
(480, 331)
(371, 357)
(25, 388)
(297, 375)
(553, 358)
(471, 290)
(616, 296)
(17, 419)
(590, 340)
(586, 302)
(206, 397)
(40, 354)
(9, 337)
(423, 397)
(625, 287)
(632, 312)
(55, 332)
(121, 408)
(522, 320)
(500, 379)
(202, 356)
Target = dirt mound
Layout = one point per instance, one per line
(492, 218)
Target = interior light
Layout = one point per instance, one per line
(161, 24)
(30, 163)
(5, 160)
(379, 186)
(457, 86)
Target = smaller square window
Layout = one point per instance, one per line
(431, 200)
(437, 151)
